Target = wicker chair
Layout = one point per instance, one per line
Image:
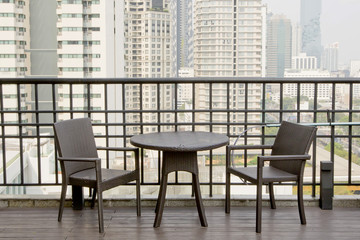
(81, 166)
(287, 161)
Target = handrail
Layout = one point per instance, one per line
(248, 80)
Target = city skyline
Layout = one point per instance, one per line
(336, 21)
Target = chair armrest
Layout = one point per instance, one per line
(123, 149)
(74, 159)
(284, 157)
(262, 159)
(230, 148)
(243, 147)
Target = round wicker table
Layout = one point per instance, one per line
(180, 154)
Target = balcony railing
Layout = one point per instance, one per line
(121, 108)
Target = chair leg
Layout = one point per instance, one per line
(227, 193)
(272, 198)
(93, 199)
(301, 202)
(138, 199)
(100, 212)
(258, 207)
(62, 201)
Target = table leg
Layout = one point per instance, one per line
(199, 203)
(161, 201)
(158, 198)
(180, 161)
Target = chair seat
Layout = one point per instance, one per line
(270, 174)
(88, 177)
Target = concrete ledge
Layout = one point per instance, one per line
(39, 201)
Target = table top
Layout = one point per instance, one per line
(180, 141)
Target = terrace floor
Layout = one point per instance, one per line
(179, 223)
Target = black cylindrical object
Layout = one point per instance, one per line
(326, 185)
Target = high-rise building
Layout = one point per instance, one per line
(278, 52)
(227, 38)
(310, 11)
(330, 59)
(14, 38)
(182, 34)
(90, 44)
(228, 43)
(62, 38)
(87, 38)
(147, 54)
(296, 40)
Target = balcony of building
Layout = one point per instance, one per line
(121, 108)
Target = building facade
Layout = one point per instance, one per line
(228, 43)
(278, 53)
(303, 62)
(310, 12)
(182, 36)
(330, 59)
(147, 54)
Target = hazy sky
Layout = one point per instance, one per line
(340, 22)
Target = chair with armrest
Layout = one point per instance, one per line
(287, 161)
(81, 166)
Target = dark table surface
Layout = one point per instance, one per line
(180, 141)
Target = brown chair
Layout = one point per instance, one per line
(287, 161)
(81, 166)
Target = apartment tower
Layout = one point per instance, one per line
(147, 55)
(228, 43)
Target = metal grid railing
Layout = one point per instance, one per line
(121, 108)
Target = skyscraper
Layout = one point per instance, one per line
(182, 35)
(147, 54)
(311, 31)
(228, 43)
(228, 38)
(278, 53)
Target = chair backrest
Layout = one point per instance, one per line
(75, 138)
(292, 139)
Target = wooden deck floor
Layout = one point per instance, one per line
(179, 223)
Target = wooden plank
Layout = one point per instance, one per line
(179, 223)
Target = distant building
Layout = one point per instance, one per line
(310, 11)
(296, 40)
(355, 68)
(324, 90)
(278, 53)
(303, 62)
(330, 59)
